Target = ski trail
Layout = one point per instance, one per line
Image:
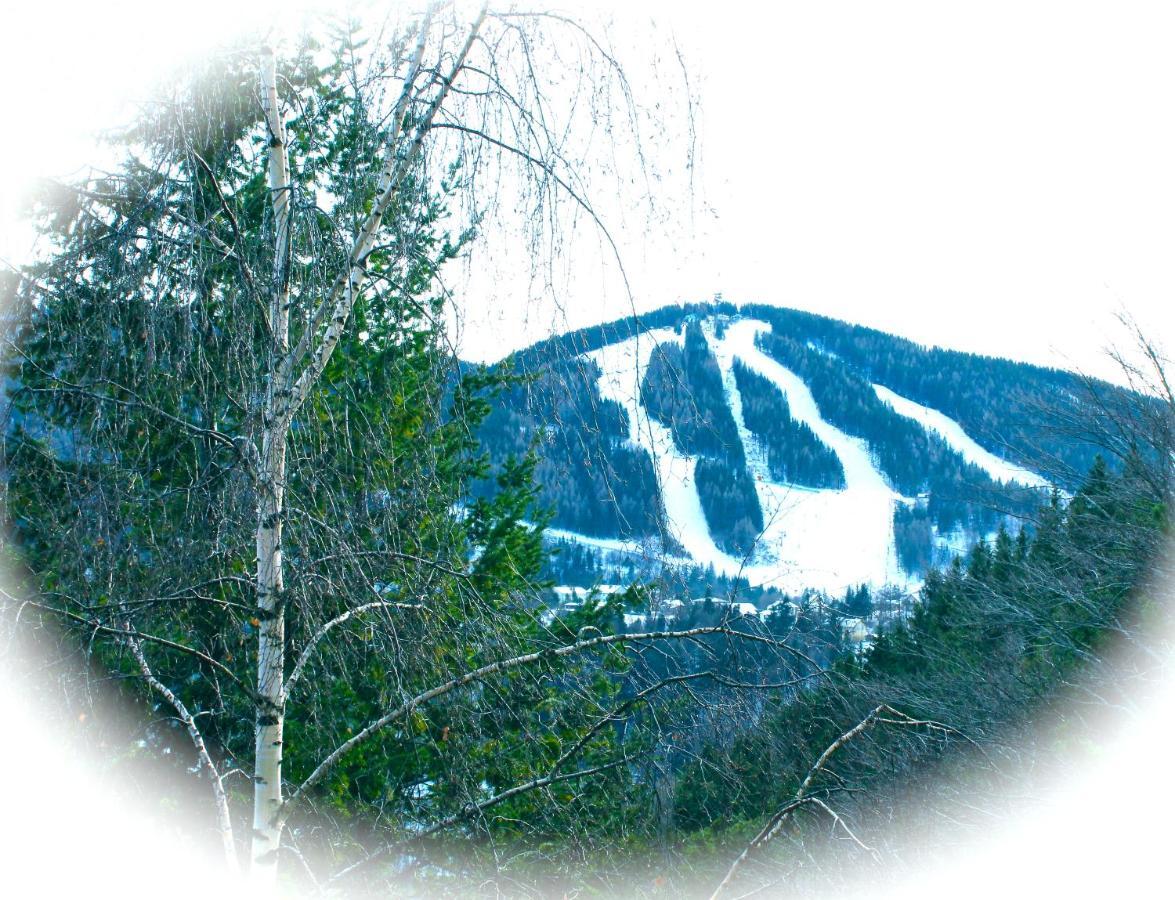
(860, 472)
(952, 432)
(828, 540)
(623, 366)
(754, 451)
(822, 538)
(638, 549)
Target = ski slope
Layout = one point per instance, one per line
(823, 539)
(623, 546)
(623, 366)
(954, 435)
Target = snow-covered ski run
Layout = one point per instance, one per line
(822, 539)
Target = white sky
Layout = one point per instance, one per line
(1001, 181)
(995, 177)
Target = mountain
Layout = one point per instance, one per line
(780, 449)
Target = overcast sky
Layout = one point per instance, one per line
(994, 177)
(998, 181)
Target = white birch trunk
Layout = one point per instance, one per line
(267, 760)
(286, 391)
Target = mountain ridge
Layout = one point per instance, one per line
(643, 431)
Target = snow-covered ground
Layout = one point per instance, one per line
(952, 432)
(823, 539)
(570, 594)
(623, 367)
(732, 609)
(646, 549)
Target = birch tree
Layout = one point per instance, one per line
(241, 450)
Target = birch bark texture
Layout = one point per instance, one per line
(271, 477)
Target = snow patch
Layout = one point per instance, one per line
(644, 549)
(954, 435)
(623, 366)
(825, 539)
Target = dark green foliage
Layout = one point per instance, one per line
(994, 636)
(730, 504)
(1006, 406)
(135, 386)
(138, 354)
(1029, 608)
(913, 538)
(592, 479)
(682, 387)
(794, 454)
(857, 602)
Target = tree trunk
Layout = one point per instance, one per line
(271, 622)
(267, 760)
(285, 392)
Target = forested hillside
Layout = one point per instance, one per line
(794, 453)
(736, 428)
(914, 461)
(596, 482)
(682, 388)
(991, 642)
(1003, 404)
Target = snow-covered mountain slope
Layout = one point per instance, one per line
(622, 546)
(827, 539)
(809, 530)
(808, 533)
(623, 365)
(952, 432)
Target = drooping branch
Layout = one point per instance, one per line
(335, 310)
(223, 818)
(135, 402)
(473, 809)
(238, 238)
(555, 773)
(308, 650)
(549, 171)
(646, 692)
(96, 625)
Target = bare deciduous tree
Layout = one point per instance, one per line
(232, 387)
